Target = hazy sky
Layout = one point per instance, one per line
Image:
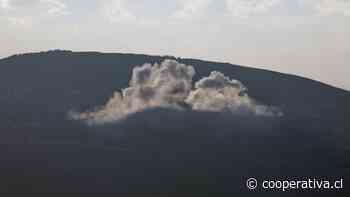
(305, 37)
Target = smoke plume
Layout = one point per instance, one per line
(169, 85)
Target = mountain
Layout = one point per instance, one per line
(160, 151)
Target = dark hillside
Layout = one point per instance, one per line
(160, 151)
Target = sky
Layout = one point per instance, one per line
(304, 37)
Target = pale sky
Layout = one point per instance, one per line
(305, 37)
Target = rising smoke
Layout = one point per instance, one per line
(169, 85)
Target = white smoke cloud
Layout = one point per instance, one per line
(218, 93)
(169, 85)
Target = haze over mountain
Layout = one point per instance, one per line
(160, 150)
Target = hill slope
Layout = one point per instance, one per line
(78, 77)
(159, 150)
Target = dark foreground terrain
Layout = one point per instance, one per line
(162, 152)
